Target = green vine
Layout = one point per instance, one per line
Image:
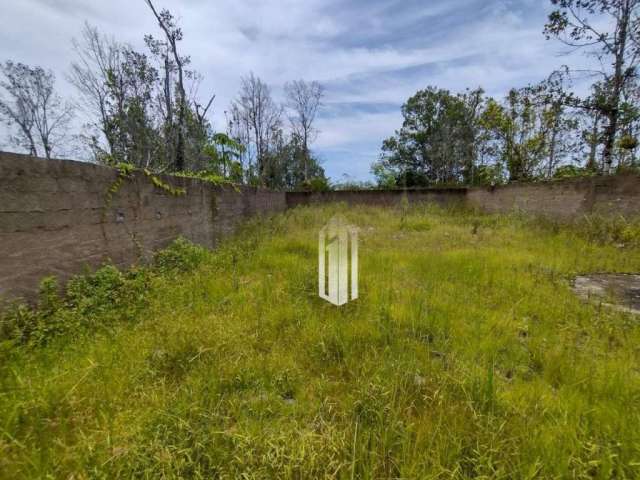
(209, 177)
(125, 171)
(171, 190)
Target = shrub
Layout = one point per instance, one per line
(316, 184)
(93, 301)
(569, 171)
(180, 256)
(607, 230)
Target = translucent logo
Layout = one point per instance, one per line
(338, 262)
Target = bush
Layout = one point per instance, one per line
(180, 256)
(93, 301)
(317, 184)
(610, 230)
(569, 171)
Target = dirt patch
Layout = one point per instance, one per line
(615, 290)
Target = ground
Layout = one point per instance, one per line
(467, 355)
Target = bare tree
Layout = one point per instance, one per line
(173, 34)
(256, 108)
(34, 107)
(576, 23)
(239, 129)
(304, 99)
(99, 61)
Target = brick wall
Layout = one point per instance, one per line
(54, 220)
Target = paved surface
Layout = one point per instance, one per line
(616, 290)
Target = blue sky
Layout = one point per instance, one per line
(370, 55)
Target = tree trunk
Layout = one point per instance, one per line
(181, 115)
(591, 163)
(618, 81)
(305, 152)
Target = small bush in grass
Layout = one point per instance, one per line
(603, 230)
(180, 256)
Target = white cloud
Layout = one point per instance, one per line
(367, 51)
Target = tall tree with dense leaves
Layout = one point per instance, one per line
(29, 102)
(609, 30)
(438, 141)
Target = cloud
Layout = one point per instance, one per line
(371, 55)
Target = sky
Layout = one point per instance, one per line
(370, 55)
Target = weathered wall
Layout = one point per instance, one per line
(54, 218)
(563, 199)
(560, 199)
(441, 196)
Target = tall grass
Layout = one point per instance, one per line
(466, 356)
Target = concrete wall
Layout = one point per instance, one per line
(54, 220)
(563, 199)
(54, 217)
(560, 199)
(441, 196)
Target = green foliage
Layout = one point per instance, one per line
(94, 301)
(205, 175)
(467, 355)
(628, 142)
(610, 230)
(348, 183)
(157, 181)
(316, 184)
(487, 175)
(436, 142)
(91, 302)
(224, 153)
(569, 171)
(125, 171)
(180, 256)
(384, 177)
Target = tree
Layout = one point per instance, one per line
(173, 35)
(304, 99)
(576, 23)
(223, 153)
(98, 58)
(256, 109)
(117, 87)
(439, 142)
(132, 97)
(34, 107)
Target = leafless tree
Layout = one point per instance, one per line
(34, 107)
(256, 108)
(173, 35)
(99, 61)
(303, 100)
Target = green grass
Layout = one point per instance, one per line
(466, 356)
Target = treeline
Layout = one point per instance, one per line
(145, 109)
(537, 132)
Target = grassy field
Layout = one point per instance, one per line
(466, 356)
